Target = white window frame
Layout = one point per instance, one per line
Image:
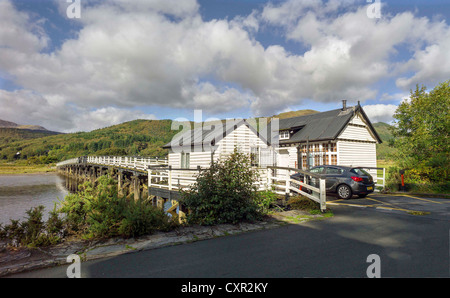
(285, 135)
(185, 160)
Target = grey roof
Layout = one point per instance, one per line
(204, 136)
(321, 126)
(315, 127)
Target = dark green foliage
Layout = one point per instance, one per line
(224, 193)
(421, 132)
(33, 232)
(97, 211)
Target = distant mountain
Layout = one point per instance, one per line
(12, 132)
(8, 124)
(292, 114)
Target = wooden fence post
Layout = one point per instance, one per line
(323, 195)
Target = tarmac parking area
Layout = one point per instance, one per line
(411, 204)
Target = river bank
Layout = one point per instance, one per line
(11, 168)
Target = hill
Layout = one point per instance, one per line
(292, 114)
(138, 137)
(8, 124)
(383, 149)
(10, 134)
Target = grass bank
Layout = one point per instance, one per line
(15, 168)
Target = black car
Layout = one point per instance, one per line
(342, 180)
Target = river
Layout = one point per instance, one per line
(19, 193)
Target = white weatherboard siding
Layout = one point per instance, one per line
(359, 133)
(358, 154)
(242, 137)
(174, 159)
(357, 119)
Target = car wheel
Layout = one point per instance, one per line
(344, 192)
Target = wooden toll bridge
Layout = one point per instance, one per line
(153, 177)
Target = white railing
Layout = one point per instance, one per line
(280, 181)
(71, 161)
(378, 178)
(129, 162)
(277, 179)
(171, 178)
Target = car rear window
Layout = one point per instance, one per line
(360, 172)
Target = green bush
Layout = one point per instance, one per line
(224, 193)
(97, 211)
(264, 200)
(33, 232)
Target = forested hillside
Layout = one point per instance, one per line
(138, 137)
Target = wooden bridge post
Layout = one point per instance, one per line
(120, 182)
(136, 187)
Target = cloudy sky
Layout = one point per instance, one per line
(149, 59)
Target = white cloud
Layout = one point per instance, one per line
(139, 54)
(380, 112)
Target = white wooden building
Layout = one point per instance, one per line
(339, 137)
(200, 146)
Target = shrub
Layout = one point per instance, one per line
(97, 211)
(264, 200)
(223, 193)
(33, 232)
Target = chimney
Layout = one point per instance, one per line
(344, 105)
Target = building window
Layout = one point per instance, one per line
(317, 160)
(333, 147)
(185, 160)
(254, 156)
(334, 159)
(284, 135)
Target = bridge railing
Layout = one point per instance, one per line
(277, 179)
(130, 162)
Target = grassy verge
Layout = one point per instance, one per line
(13, 168)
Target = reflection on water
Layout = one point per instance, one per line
(19, 193)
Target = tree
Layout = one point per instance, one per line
(421, 133)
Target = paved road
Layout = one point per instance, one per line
(408, 246)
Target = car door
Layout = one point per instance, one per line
(316, 170)
(332, 175)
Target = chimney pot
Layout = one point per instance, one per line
(344, 105)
